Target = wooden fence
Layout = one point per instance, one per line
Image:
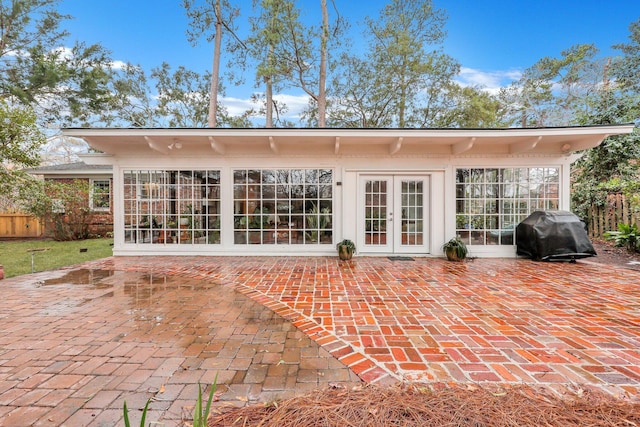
(19, 225)
(605, 218)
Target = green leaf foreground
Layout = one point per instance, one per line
(200, 417)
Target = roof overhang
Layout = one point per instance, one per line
(561, 141)
(72, 170)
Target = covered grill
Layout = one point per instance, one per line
(553, 235)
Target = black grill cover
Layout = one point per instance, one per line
(553, 235)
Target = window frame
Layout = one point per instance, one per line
(285, 206)
(183, 208)
(487, 198)
(93, 195)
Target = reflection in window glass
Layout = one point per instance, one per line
(172, 207)
(491, 202)
(375, 219)
(100, 197)
(283, 206)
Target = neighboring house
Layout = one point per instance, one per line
(100, 200)
(300, 191)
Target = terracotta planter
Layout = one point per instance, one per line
(345, 253)
(452, 255)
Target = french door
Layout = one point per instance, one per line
(394, 213)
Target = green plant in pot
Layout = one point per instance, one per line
(346, 248)
(455, 249)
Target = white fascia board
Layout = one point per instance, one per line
(154, 142)
(274, 132)
(96, 159)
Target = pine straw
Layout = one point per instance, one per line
(460, 406)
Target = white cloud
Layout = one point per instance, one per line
(17, 53)
(118, 65)
(237, 106)
(295, 104)
(490, 81)
(67, 53)
(64, 52)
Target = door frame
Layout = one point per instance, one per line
(393, 233)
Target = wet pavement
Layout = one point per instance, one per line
(75, 345)
(153, 327)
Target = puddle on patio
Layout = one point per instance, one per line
(175, 330)
(83, 276)
(221, 329)
(178, 309)
(168, 308)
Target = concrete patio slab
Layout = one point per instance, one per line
(156, 326)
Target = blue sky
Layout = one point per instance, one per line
(494, 40)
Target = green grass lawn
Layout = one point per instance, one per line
(16, 258)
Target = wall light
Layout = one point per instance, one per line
(175, 144)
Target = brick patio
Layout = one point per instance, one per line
(75, 344)
(490, 320)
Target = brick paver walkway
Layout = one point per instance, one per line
(76, 351)
(489, 320)
(74, 345)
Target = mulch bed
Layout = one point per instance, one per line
(458, 405)
(609, 254)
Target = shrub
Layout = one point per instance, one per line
(64, 208)
(627, 236)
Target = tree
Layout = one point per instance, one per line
(131, 104)
(306, 52)
(627, 70)
(20, 144)
(613, 165)
(64, 85)
(553, 91)
(439, 97)
(468, 107)
(183, 99)
(608, 168)
(205, 14)
(400, 81)
(363, 96)
(265, 46)
(60, 149)
(400, 49)
(322, 78)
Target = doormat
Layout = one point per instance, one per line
(401, 258)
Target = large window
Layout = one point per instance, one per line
(100, 197)
(490, 202)
(283, 206)
(172, 206)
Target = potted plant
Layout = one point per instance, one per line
(186, 218)
(346, 248)
(146, 222)
(455, 249)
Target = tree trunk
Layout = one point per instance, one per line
(269, 92)
(403, 93)
(322, 96)
(215, 72)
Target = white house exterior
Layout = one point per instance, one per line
(300, 191)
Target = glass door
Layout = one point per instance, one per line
(378, 198)
(394, 214)
(410, 227)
